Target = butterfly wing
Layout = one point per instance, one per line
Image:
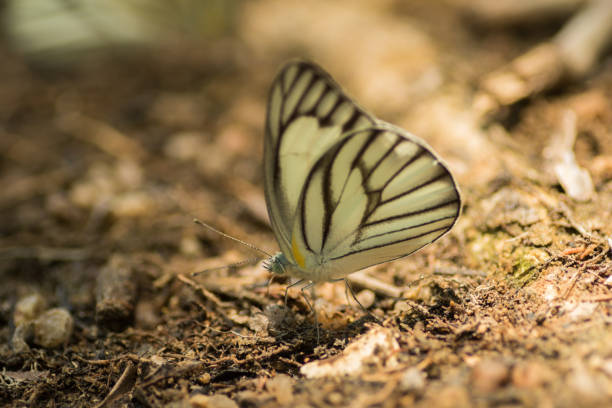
(378, 194)
(307, 114)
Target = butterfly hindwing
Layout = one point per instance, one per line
(376, 195)
(307, 114)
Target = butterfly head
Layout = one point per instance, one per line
(277, 264)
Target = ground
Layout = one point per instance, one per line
(106, 158)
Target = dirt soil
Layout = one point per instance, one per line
(106, 160)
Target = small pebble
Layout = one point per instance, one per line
(132, 204)
(453, 396)
(413, 379)
(190, 245)
(53, 328)
(204, 379)
(279, 317)
(335, 398)
(259, 323)
(418, 292)
(586, 385)
(401, 306)
(215, 401)
(23, 333)
(488, 375)
(531, 375)
(606, 367)
(282, 388)
(185, 146)
(366, 297)
(146, 314)
(28, 308)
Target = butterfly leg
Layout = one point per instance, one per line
(290, 286)
(349, 288)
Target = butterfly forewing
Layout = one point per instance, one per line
(307, 114)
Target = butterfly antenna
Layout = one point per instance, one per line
(246, 244)
(233, 265)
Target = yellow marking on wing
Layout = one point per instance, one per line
(297, 255)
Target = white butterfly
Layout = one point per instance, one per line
(345, 190)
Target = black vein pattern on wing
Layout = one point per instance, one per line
(331, 206)
(407, 228)
(328, 205)
(281, 93)
(421, 152)
(330, 87)
(443, 229)
(325, 164)
(371, 170)
(412, 190)
(374, 195)
(410, 214)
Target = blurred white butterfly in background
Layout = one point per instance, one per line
(345, 190)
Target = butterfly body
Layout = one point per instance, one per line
(345, 190)
(318, 271)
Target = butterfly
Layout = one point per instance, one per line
(345, 190)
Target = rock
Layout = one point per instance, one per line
(531, 375)
(116, 293)
(23, 333)
(377, 347)
(412, 379)
(28, 308)
(586, 385)
(214, 401)
(282, 388)
(488, 375)
(279, 318)
(53, 328)
(259, 323)
(366, 297)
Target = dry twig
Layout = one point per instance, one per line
(572, 53)
(124, 385)
(366, 281)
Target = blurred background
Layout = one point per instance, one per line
(120, 121)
